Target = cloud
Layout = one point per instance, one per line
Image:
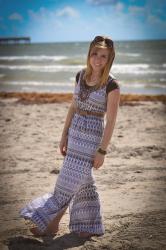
(151, 12)
(41, 14)
(67, 12)
(136, 9)
(113, 17)
(102, 2)
(45, 19)
(15, 16)
(154, 20)
(44, 14)
(119, 6)
(50, 25)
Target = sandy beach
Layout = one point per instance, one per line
(131, 183)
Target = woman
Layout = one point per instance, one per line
(83, 144)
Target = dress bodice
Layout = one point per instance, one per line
(96, 100)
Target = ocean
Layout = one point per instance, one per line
(139, 66)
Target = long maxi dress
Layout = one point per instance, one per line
(75, 185)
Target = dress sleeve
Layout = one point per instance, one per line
(112, 84)
(78, 76)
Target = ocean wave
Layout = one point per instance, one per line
(71, 84)
(162, 79)
(135, 69)
(129, 54)
(142, 85)
(39, 83)
(64, 90)
(33, 58)
(40, 68)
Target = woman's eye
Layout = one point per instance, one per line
(103, 56)
(94, 54)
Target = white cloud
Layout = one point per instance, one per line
(41, 14)
(151, 16)
(154, 20)
(45, 19)
(102, 2)
(49, 25)
(136, 10)
(46, 15)
(115, 19)
(119, 6)
(67, 12)
(15, 16)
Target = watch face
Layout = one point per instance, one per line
(102, 151)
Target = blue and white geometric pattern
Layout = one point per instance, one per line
(75, 185)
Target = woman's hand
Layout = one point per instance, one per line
(98, 160)
(63, 145)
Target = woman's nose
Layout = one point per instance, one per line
(97, 58)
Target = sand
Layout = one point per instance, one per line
(131, 183)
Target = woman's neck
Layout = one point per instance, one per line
(95, 76)
(94, 79)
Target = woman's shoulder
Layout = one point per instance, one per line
(78, 75)
(112, 84)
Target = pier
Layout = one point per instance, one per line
(14, 40)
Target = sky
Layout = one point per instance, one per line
(81, 20)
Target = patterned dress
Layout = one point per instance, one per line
(75, 186)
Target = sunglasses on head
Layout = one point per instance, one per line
(107, 41)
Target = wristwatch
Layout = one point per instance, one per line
(101, 151)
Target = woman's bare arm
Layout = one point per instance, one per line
(69, 117)
(112, 108)
(64, 137)
(111, 114)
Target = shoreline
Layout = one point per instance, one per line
(39, 98)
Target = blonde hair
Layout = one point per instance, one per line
(100, 42)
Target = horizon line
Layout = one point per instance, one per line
(84, 41)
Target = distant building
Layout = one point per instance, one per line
(14, 40)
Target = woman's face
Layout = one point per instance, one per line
(99, 58)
